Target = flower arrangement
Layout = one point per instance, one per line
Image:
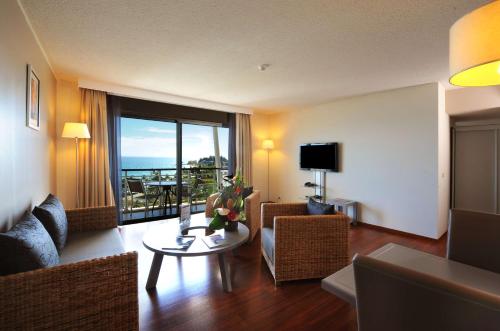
(228, 207)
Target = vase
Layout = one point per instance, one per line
(231, 226)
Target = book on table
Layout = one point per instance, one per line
(179, 243)
(215, 240)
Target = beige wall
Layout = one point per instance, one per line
(68, 110)
(27, 156)
(389, 156)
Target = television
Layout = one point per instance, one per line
(323, 157)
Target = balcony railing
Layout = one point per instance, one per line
(152, 193)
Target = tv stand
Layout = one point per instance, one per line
(319, 186)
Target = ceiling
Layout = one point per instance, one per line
(211, 50)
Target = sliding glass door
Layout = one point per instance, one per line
(204, 162)
(165, 163)
(149, 168)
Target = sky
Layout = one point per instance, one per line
(145, 138)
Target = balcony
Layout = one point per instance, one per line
(151, 194)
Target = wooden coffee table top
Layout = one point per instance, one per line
(156, 237)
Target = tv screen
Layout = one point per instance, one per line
(319, 157)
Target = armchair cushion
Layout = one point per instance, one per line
(53, 217)
(90, 245)
(27, 246)
(318, 208)
(268, 242)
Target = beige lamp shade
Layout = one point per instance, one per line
(268, 144)
(75, 130)
(475, 47)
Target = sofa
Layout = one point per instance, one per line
(297, 245)
(251, 207)
(93, 287)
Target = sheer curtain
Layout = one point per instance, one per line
(244, 147)
(95, 185)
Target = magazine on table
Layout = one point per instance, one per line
(179, 243)
(215, 240)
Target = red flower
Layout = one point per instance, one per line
(237, 190)
(232, 215)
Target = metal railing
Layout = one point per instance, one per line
(159, 189)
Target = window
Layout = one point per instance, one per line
(149, 162)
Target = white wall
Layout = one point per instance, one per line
(472, 99)
(389, 156)
(444, 159)
(27, 157)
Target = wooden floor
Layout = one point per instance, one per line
(189, 293)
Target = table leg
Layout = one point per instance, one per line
(167, 198)
(224, 273)
(355, 213)
(154, 271)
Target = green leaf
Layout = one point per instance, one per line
(217, 223)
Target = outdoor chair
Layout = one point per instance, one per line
(139, 193)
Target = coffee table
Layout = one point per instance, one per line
(155, 239)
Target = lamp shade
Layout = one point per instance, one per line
(268, 144)
(475, 47)
(75, 130)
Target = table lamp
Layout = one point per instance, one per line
(475, 47)
(268, 144)
(76, 131)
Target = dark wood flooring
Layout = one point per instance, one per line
(189, 293)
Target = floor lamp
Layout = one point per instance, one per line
(268, 144)
(76, 131)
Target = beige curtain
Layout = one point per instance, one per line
(244, 147)
(94, 182)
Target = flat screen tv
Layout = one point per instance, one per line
(323, 157)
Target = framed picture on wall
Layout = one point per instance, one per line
(32, 99)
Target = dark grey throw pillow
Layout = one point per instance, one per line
(246, 192)
(53, 217)
(318, 208)
(27, 246)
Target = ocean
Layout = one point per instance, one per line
(137, 162)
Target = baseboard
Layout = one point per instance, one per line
(397, 232)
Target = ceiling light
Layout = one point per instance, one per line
(264, 66)
(475, 47)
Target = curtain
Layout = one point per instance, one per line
(244, 147)
(114, 148)
(94, 183)
(232, 144)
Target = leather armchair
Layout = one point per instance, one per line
(393, 298)
(473, 238)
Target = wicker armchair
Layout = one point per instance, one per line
(296, 245)
(252, 211)
(96, 294)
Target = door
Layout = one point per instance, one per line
(476, 169)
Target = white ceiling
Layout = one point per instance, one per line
(210, 50)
